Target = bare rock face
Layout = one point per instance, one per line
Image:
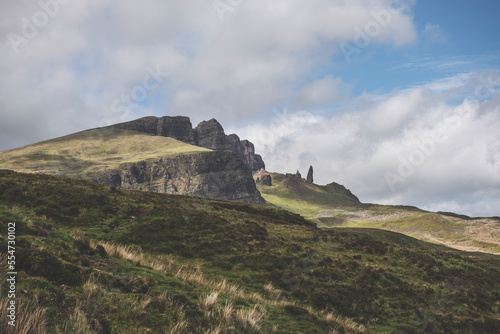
(310, 175)
(209, 134)
(178, 127)
(263, 177)
(225, 173)
(219, 175)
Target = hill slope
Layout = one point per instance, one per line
(334, 207)
(91, 151)
(136, 160)
(104, 260)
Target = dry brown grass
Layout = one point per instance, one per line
(274, 293)
(3, 273)
(160, 263)
(76, 324)
(138, 307)
(250, 319)
(30, 319)
(220, 316)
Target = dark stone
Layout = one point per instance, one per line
(310, 175)
(178, 127)
(263, 177)
(216, 174)
(266, 180)
(209, 134)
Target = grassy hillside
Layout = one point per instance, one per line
(93, 259)
(329, 208)
(92, 150)
(295, 195)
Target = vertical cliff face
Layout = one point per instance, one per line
(209, 134)
(178, 127)
(219, 175)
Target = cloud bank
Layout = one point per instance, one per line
(65, 63)
(415, 147)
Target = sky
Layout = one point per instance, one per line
(398, 100)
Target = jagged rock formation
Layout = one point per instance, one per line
(209, 134)
(178, 127)
(310, 175)
(263, 177)
(219, 175)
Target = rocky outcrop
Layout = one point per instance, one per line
(219, 175)
(263, 177)
(178, 127)
(341, 189)
(209, 134)
(309, 177)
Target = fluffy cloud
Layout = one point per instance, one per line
(65, 63)
(414, 147)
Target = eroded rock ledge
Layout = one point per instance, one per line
(209, 134)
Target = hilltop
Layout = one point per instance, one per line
(163, 155)
(96, 259)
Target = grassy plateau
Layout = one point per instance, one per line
(94, 150)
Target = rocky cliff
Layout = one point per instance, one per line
(209, 134)
(219, 175)
(142, 155)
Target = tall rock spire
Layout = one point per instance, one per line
(310, 175)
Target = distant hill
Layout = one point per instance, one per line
(95, 259)
(333, 206)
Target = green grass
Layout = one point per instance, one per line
(333, 208)
(103, 260)
(305, 198)
(93, 150)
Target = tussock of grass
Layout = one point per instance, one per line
(250, 319)
(76, 324)
(30, 318)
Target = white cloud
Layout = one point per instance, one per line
(92, 52)
(450, 152)
(434, 33)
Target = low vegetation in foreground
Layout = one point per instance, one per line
(93, 259)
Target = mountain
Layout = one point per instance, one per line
(209, 134)
(156, 154)
(95, 259)
(333, 206)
